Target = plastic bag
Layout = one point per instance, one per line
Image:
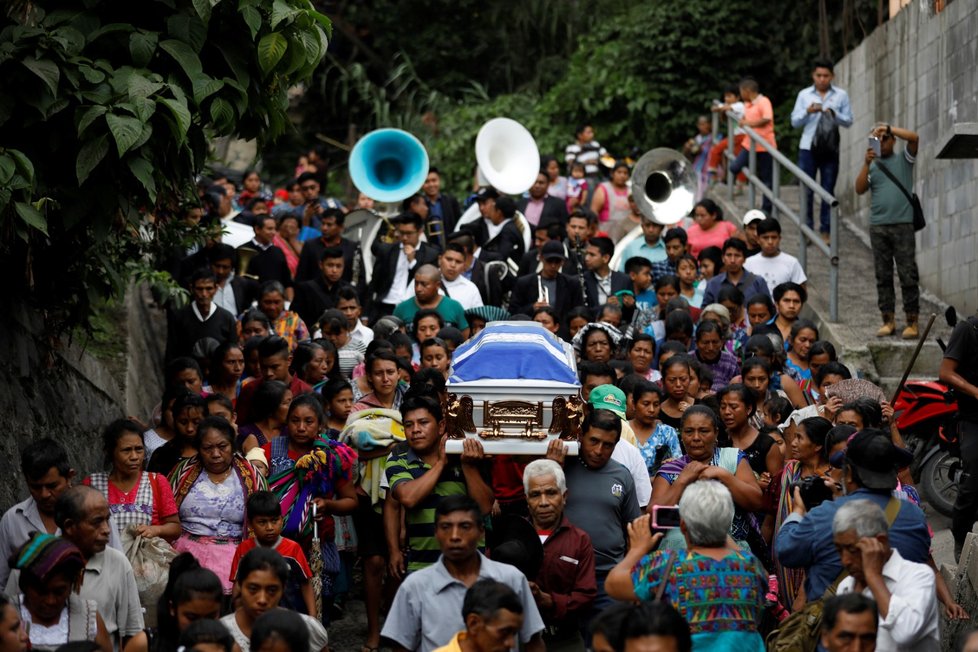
(150, 558)
(825, 142)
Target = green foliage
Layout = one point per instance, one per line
(106, 112)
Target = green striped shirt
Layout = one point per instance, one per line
(423, 549)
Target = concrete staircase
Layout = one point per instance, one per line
(880, 360)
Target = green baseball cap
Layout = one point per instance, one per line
(608, 397)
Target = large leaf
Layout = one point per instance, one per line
(143, 170)
(125, 131)
(222, 113)
(252, 19)
(204, 87)
(281, 12)
(90, 156)
(189, 29)
(46, 69)
(31, 216)
(181, 117)
(140, 86)
(7, 169)
(184, 55)
(142, 45)
(271, 49)
(24, 164)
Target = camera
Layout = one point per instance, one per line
(813, 490)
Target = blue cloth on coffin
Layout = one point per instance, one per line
(512, 352)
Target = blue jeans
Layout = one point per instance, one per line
(828, 172)
(764, 171)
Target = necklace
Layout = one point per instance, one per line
(224, 476)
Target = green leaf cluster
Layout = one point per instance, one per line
(107, 109)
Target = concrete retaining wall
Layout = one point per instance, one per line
(918, 71)
(64, 393)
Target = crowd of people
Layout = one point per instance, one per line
(729, 480)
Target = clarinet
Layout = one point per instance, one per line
(579, 250)
(357, 263)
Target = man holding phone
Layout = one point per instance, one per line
(820, 101)
(891, 230)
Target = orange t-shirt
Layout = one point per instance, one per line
(756, 110)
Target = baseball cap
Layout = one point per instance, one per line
(876, 459)
(608, 397)
(754, 215)
(553, 249)
(486, 192)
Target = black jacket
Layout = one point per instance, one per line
(508, 243)
(385, 265)
(312, 251)
(184, 329)
(268, 265)
(450, 211)
(526, 293)
(313, 298)
(554, 210)
(619, 281)
(245, 292)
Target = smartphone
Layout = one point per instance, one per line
(874, 144)
(665, 517)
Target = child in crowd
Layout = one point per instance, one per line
(265, 520)
(576, 187)
(639, 269)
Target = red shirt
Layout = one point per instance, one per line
(164, 506)
(288, 548)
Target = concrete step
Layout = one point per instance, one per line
(854, 334)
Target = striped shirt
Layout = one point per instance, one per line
(423, 549)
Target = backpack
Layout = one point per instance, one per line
(801, 631)
(825, 142)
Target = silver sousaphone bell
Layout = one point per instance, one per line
(664, 188)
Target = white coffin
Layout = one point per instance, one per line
(506, 433)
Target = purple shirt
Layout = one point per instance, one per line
(724, 369)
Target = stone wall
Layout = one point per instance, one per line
(64, 393)
(918, 71)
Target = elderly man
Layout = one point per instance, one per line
(602, 498)
(82, 514)
(565, 586)
(904, 591)
(849, 623)
(427, 282)
(427, 609)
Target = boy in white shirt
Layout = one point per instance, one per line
(772, 264)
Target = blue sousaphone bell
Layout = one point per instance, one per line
(388, 165)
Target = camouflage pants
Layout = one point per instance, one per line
(895, 243)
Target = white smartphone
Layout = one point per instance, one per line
(874, 144)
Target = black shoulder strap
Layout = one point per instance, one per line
(894, 180)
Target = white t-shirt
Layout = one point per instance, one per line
(631, 458)
(776, 269)
(464, 291)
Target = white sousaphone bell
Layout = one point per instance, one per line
(387, 165)
(664, 188)
(509, 160)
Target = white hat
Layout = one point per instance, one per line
(754, 215)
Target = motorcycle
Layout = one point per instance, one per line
(926, 414)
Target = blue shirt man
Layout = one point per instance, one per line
(818, 100)
(870, 468)
(651, 247)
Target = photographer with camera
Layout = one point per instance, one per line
(869, 471)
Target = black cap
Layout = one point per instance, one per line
(486, 192)
(506, 206)
(876, 459)
(553, 249)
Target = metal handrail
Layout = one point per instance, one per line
(779, 160)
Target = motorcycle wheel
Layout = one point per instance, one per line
(939, 481)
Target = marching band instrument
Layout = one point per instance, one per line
(388, 165)
(664, 186)
(507, 155)
(245, 255)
